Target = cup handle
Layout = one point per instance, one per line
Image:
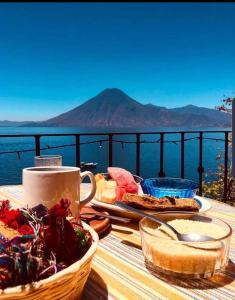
(91, 195)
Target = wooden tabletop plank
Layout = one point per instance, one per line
(119, 272)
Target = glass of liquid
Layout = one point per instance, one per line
(48, 160)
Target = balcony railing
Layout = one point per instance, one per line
(110, 138)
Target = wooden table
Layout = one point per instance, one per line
(118, 269)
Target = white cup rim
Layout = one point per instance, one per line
(51, 169)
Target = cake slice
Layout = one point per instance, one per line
(108, 194)
(160, 204)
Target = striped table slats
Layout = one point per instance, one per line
(119, 272)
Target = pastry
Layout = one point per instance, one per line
(160, 204)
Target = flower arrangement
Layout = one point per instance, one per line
(44, 242)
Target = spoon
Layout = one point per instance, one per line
(124, 220)
(190, 237)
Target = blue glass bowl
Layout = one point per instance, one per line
(175, 187)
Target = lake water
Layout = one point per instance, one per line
(123, 154)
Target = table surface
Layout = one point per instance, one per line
(118, 269)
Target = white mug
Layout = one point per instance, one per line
(48, 185)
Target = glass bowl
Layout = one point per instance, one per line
(172, 257)
(175, 187)
(48, 160)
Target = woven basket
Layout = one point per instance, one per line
(66, 284)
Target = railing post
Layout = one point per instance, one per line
(77, 137)
(161, 172)
(138, 154)
(110, 150)
(225, 166)
(200, 167)
(37, 145)
(182, 154)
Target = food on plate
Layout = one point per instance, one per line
(37, 243)
(121, 182)
(163, 250)
(105, 189)
(99, 177)
(160, 204)
(125, 181)
(100, 181)
(108, 194)
(111, 183)
(122, 187)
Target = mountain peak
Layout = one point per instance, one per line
(190, 106)
(113, 92)
(111, 96)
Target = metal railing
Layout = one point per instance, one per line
(110, 139)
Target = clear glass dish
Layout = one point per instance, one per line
(175, 187)
(185, 259)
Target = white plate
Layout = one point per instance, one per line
(203, 203)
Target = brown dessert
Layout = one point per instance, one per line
(160, 204)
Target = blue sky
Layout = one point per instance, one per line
(54, 56)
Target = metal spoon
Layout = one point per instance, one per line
(120, 219)
(190, 237)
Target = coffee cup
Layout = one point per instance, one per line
(48, 185)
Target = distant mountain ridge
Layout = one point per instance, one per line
(7, 123)
(113, 108)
